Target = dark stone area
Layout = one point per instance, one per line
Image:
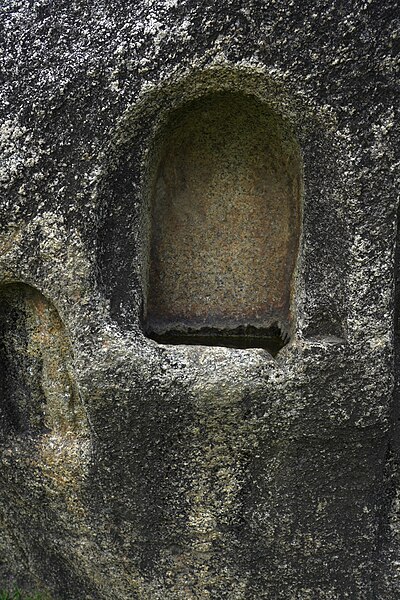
(23, 398)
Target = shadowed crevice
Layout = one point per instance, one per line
(271, 339)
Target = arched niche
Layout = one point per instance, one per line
(37, 388)
(225, 193)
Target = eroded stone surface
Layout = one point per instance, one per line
(37, 381)
(225, 219)
(209, 472)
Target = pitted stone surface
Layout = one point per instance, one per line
(225, 219)
(202, 472)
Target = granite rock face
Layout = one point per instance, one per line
(135, 469)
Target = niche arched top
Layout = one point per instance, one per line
(225, 225)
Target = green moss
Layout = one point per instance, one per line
(19, 595)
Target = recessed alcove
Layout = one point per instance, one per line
(225, 192)
(37, 389)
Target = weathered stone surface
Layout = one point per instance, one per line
(225, 221)
(150, 471)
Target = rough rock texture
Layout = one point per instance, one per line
(226, 205)
(131, 469)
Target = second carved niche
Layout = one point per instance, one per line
(225, 225)
(38, 392)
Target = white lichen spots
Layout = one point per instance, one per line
(381, 342)
(18, 151)
(63, 461)
(9, 239)
(63, 252)
(380, 148)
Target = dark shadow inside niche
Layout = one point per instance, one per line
(225, 193)
(37, 390)
(120, 216)
(241, 337)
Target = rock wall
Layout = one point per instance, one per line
(136, 469)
